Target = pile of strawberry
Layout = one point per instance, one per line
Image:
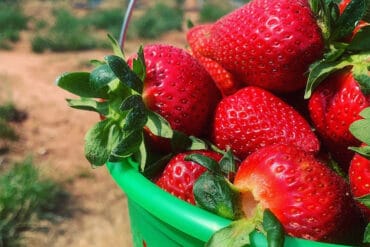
(264, 120)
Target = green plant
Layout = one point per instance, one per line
(6, 131)
(211, 12)
(39, 44)
(109, 20)
(9, 113)
(65, 35)
(40, 24)
(12, 20)
(23, 195)
(10, 2)
(158, 20)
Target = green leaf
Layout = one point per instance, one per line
(334, 12)
(274, 229)
(366, 17)
(367, 234)
(79, 83)
(335, 1)
(180, 141)
(189, 24)
(365, 113)
(198, 144)
(215, 194)
(319, 72)
(364, 151)
(360, 70)
(115, 135)
(314, 5)
(124, 73)
(227, 163)
(96, 62)
(205, 161)
(158, 125)
(142, 155)
(137, 116)
(335, 51)
(154, 168)
(135, 119)
(237, 234)
(129, 144)
(364, 200)
(347, 22)
(361, 41)
(323, 69)
(361, 75)
(118, 90)
(99, 141)
(361, 130)
(89, 104)
(132, 101)
(101, 76)
(116, 47)
(139, 64)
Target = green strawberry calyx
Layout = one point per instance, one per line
(114, 90)
(342, 52)
(360, 129)
(336, 26)
(239, 233)
(214, 192)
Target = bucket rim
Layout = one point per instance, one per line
(162, 204)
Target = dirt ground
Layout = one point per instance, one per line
(96, 214)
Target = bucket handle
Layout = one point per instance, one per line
(125, 23)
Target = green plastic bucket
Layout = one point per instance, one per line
(159, 219)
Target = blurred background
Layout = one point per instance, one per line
(49, 194)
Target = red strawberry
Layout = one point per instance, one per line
(359, 177)
(253, 118)
(179, 175)
(343, 4)
(308, 198)
(333, 106)
(199, 41)
(268, 43)
(178, 88)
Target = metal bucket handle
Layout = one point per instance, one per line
(125, 23)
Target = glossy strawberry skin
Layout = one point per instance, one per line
(199, 40)
(333, 106)
(359, 178)
(224, 80)
(179, 175)
(178, 88)
(253, 118)
(261, 41)
(309, 199)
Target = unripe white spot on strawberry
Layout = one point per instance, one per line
(249, 204)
